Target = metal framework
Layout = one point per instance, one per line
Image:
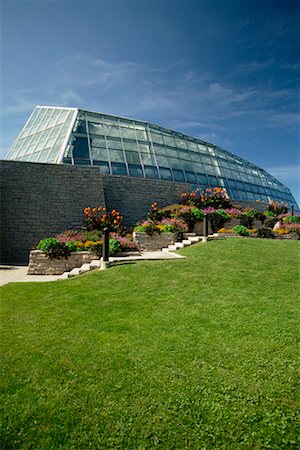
(122, 146)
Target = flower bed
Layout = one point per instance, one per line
(41, 264)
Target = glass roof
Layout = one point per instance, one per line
(122, 146)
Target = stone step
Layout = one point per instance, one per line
(186, 242)
(189, 234)
(165, 250)
(65, 275)
(172, 247)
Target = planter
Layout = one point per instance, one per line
(154, 242)
(40, 264)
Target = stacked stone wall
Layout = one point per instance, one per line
(41, 200)
(40, 264)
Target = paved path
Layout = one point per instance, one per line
(14, 273)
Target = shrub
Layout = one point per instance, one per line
(69, 236)
(217, 218)
(197, 214)
(241, 230)
(53, 248)
(265, 233)
(71, 246)
(291, 219)
(114, 246)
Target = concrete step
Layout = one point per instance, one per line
(186, 242)
(194, 239)
(189, 234)
(165, 250)
(179, 244)
(84, 268)
(172, 247)
(95, 263)
(65, 275)
(74, 272)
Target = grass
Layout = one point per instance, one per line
(200, 353)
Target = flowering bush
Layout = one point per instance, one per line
(225, 230)
(233, 212)
(99, 218)
(265, 233)
(126, 243)
(216, 197)
(277, 208)
(293, 228)
(281, 231)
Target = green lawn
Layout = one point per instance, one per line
(198, 353)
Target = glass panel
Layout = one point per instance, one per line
(187, 165)
(175, 163)
(130, 145)
(191, 177)
(99, 153)
(157, 138)
(212, 180)
(135, 170)
(81, 148)
(112, 131)
(178, 175)
(159, 149)
(96, 128)
(165, 173)
(114, 143)
(118, 169)
(150, 172)
(184, 154)
(116, 155)
(162, 161)
(180, 142)
(103, 166)
(128, 133)
(142, 135)
(202, 178)
(144, 148)
(147, 159)
(97, 141)
(81, 162)
(169, 140)
(133, 157)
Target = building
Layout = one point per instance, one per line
(132, 148)
(66, 159)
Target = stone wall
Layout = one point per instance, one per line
(155, 242)
(40, 264)
(40, 200)
(133, 196)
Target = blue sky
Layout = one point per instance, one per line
(226, 71)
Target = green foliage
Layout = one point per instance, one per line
(265, 233)
(71, 246)
(197, 214)
(53, 248)
(241, 230)
(291, 219)
(114, 246)
(157, 354)
(269, 213)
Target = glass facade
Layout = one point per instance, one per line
(121, 146)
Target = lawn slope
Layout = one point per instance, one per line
(181, 354)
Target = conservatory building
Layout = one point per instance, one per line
(137, 149)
